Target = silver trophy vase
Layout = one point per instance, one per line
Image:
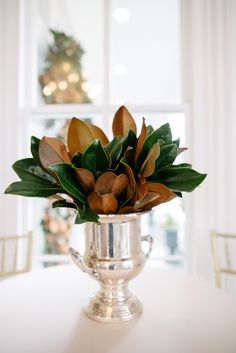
(113, 256)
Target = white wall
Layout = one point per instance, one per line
(13, 124)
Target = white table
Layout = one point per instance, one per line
(41, 312)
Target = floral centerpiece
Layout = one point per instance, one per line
(96, 176)
(109, 184)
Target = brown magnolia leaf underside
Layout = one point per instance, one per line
(111, 183)
(98, 134)
(103, 204)
(141, 139)
(51, 151)
(79, 136)
(131, 187)
(123, 122)
(86, 179)
(127, 209)
(120, 183)
(142, 187)
(157, 193)
(148, 166)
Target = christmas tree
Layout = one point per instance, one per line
(62, 80)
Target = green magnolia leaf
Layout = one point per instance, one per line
(35, 149)
(63, 203)
(129, 141)
(85, 214)
(186, 165)
(163, 133)
(119, 145)
(150, 130)
(177, 142)
(76, 160)
(88, 215)
(179, 194)
(67, 177)
(167, 156)
(27, 169)
(95, 158)
(79, 220)
(114, 148)
(179, 178)
(33, 189)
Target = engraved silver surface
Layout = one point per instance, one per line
(113, 256)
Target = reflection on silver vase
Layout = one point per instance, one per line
(113, 256)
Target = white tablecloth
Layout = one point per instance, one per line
(41, 312)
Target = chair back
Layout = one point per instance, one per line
(15, 254)
(223, 246)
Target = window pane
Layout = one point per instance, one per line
(66, 74)
(145, 50)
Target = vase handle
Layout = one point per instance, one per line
(149, 239)
(79, 261)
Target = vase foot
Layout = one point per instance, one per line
(114, 311)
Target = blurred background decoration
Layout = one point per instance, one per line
(62, 80)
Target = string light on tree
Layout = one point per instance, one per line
(63, 78)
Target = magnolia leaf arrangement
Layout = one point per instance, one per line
(130, 173)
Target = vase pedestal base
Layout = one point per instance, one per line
(114, 304)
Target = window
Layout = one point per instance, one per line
(132, 57)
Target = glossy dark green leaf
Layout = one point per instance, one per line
(167, 156)
(68, 180)
(179, 194)
(180, 178)
(79, 220)
(88, 215)
(186, 165)
(76, 160)
(95, 158)
(129, 140)
(33, 189)
(35, 149)
(27, 169)
(177, 142)
(85, 214)
(162, 133)
(117, 147)
(150, 130)
(63, 203)
(114, 148)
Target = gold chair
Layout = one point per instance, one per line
(15, 254)
(222, 255)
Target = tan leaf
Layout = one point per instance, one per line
(56, 197)
(131, 188)
(103, 204)
(123, 122)
(181, 149)
(120, 183)
(141, 139)
(86, 179)
(98, 134)
(148, 166)
(111, 183)
(104, 183)
(127, 209)
(157, 193)
(142, 187)
(79, 136)
(52, 150)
